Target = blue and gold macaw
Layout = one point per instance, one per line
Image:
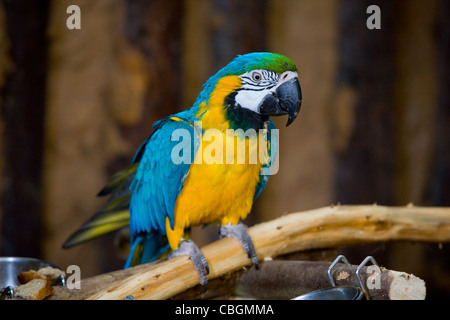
(169, 189)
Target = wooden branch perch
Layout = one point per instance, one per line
(326, 227)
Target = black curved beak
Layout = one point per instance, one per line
(286, 99)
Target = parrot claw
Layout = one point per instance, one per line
(239, 232)
(189, 248)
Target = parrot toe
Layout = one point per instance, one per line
(239, 232)
(190, 249)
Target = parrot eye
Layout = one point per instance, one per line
(256, 76)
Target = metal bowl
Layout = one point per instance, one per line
(335, 293)
(10, 267)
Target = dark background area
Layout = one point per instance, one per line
(76, 104)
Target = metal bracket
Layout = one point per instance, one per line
(358, 276)
(330, 276)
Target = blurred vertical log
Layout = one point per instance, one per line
(23, 112)
(365, 166)
(154, 29)
(440, 184)
(196, 59)
(197, 56)
(439, 194)
(415, 98)
(415, 101)
(239, 27)
(5, 67)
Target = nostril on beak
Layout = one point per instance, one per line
(283, 107)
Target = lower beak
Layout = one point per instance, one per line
(286, 99)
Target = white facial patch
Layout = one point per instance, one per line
(257, 84)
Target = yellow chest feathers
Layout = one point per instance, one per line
(221, 182)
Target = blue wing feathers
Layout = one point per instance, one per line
(155, 187)
(158, 180)
(146, 248)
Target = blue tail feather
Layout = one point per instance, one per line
(146, 248)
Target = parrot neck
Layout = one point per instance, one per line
(244, 119)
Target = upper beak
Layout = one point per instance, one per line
(286, 99)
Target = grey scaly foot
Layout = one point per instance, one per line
(189, 248)
(239, 232)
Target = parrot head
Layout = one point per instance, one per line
(256, 86)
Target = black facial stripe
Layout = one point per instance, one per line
(258, 89)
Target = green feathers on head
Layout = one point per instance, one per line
(258, 60)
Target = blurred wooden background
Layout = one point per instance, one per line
(75, 105)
